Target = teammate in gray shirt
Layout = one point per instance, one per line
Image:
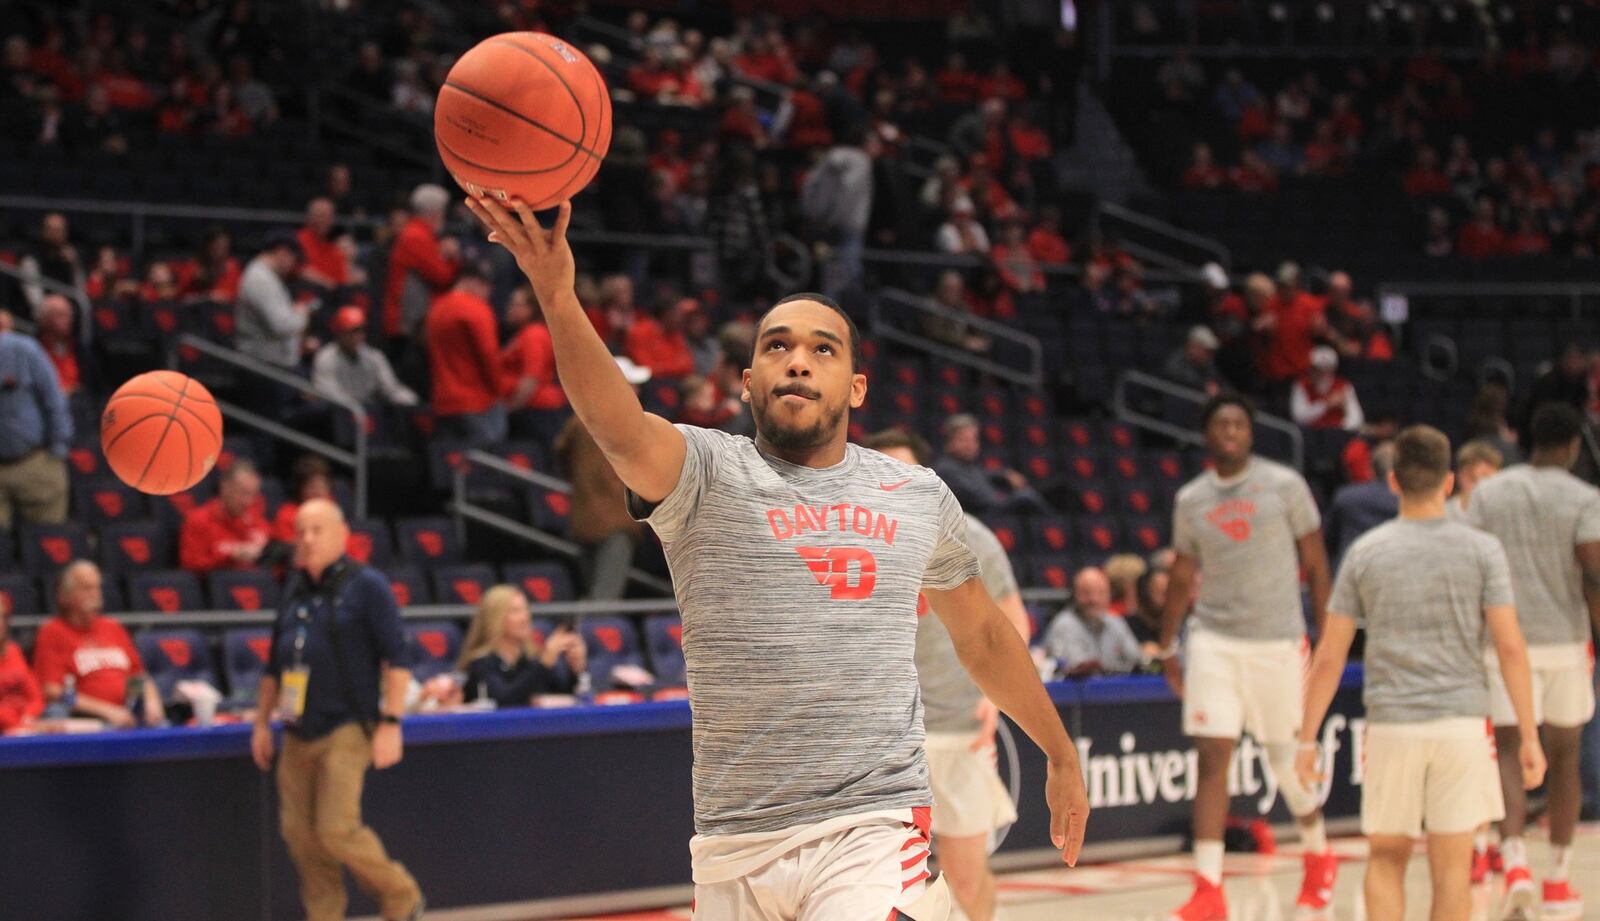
(1549, 522)
(1424, 588)
(797, 560)
(969, 801)
(1247, 527)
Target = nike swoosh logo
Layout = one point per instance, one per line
(891, 487)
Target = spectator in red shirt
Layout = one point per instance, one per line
(660, 345)
(464, 355)
(312, 479)
(1352, 325)
(93, 650)
(421, 266)
(1529, 240)
(231, 530)
(1325, 155)
(1321, 399)
(110, 277)
(1018, 269)
(1203, 171)
(1481, 237)
(324, 264)
(1002, 83)
(213, 273)
(1253, 175)
(21, 701)
(55, 335)
(765, 59)
(1288, 326)
(537, 404)
(956, 83)
(1425, 178)
(741, 122)
(1045, 240)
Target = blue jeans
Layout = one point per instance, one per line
(477, 429)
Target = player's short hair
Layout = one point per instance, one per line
(1421, 459)
(856, 360)
(1555, 425)
(1223, 400)
(1383, 459)
(1479, 451)
(901, 438)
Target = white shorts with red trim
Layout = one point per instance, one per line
(969, 799)
(871, 868)
(1439, 776)
(1232, 685)
(1563, 686)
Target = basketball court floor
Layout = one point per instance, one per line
(1260, 888)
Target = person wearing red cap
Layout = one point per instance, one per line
(349, 367)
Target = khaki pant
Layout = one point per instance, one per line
(319, 810)
(36, 487)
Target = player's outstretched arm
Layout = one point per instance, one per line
(1180, 586)
(1327, 667)
(1319, 578)
(997, 658)
(1512, 651)
(644, 449)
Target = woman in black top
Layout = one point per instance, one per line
(502, 661)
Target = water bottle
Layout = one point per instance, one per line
(69, 694)
(585, 689)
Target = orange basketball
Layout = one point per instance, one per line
(161, 432)
(523, 115)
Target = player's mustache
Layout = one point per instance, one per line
(799, 390)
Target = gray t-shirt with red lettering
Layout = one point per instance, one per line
(949, 695)
(798, 588)
(1244, 532)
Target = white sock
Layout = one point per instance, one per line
(1315, 837)
(1480, 841)
(1560, 863)
(1208, 861)
(1513, 852)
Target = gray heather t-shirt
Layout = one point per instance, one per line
(1420, 589)
(1244, 534)
(949, 695)
(798, 588)
(1541, 515)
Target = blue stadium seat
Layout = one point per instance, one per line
(1098, 534)
(612, 641)
(85, 460)
(1051, 570)
(175, 654)
(1094, 496)
(461, 583)
(1039, 464)
(429, 541)
(167, 591)
(1139, 497)
(1049, 534)
(171, 509)
(128, 546)
(1078, 435)
(408, 585)
(1124, 464)
(370, 543)
(1166, 465)
(1083, 463)
(105, 499)
(548, 509)
(432, 647)
(21, 596)
(244, 659)
(664, 635)
(542, 582)
(1147, 533)
(243, 590)
(47, 547)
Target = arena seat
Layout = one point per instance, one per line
(408, 585)
(611, 641)
(1009, 530)
(1094, 496)
(664, 637)
(1049, 534)
(541, 582)
(243, 590)
(1097, 534)
(432, 648)
(1050, 570)
(102, 500)
(129, 546)
(369, 543)
(173, 654)
(430, 541)
(47, 547)
(461, 583)
(167, 591)
(548, 509)
(245, 651)
(20, 594)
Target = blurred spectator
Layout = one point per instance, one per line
(537, 403)
(705, 405)
(962, 235)
(1567, 381)
(1194, 363)
(312, 478)
(370, 77)
(98, 128)
(1015, 262)
(704, 346)
(1145, 620)
(52, 259)
(1352, 325)
(976, 488)
(1426, 179)
(1084, 639)
(836, 201)
(254, 97)
(160, 284)
(600, 524)
(953, 330)
(421, 265)
(325, 264)
(979, 131)
(942, 185)
(1356, 459)
(55, 337)
(1476, 461)
(1487, 421)
(660, 345)
(224, 117)
(268, 322)
(1124, 570)
(464, 358)
(741, 124)
(110, 277)
(35, 431)
(21, 701)
(1280, 153)
(230, 531)
(1203, 171)
(736, 221)
(1322, 399)
(1285, 324)
(504, 663)
(1481, 238)
(349, 367)
(89, 658)
(765, 58)
(1252, 174)
(1234, 94)
(1045, 241)
(1359, 507)
(213, 272)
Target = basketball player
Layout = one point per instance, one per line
(1248, 527)
(969, 801)
(1476, 461)
(797, 559)
(1549, 522)
(1424, 588)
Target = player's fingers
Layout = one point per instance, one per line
(507, 225)
(531, 225)
(1076, 826)
(1058, 829)
(563, 218)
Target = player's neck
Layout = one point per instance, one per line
(1228, 469)
(1553, 459)
(825, 455)
(1422, 509)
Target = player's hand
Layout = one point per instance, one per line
(543, 255)
(261, 746)
(387, 746)
(1532, 758)
(1307, 769)
(1172, 670)
(988, 716)
(1069, 808)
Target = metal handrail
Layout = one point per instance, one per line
(410, 612)
(74, 294)
(1126, 413)
(356, 460)
(465, 509)
(1032, 377)
(1156, 225)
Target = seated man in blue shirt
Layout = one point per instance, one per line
(35, 429)
(1085, 639)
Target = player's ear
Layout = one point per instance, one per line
(1393, 482)
(744, 394)
(858, 390)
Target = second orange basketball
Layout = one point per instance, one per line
(523, 115)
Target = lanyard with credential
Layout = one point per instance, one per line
(292, 696)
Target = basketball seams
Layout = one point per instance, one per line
(592, 167)
(583, 116)
(444, 147)
(160, 377)
(172, 416)
(178, 404)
